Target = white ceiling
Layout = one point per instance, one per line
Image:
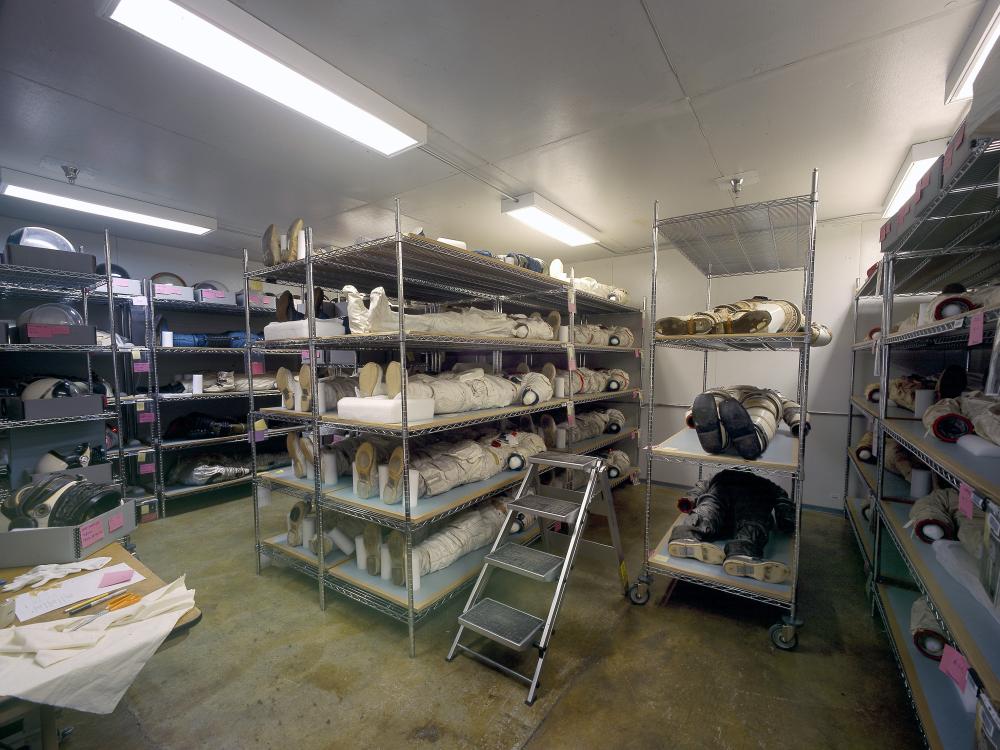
(601, 107)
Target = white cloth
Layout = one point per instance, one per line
(463, 391)
(89, 669)
(468, 321)
(444, 465)
(42, 574)
(588, 284)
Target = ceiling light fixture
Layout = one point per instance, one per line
(914, 166)
(230, 41)
(546, 217)
(973, 56)
(86, 200)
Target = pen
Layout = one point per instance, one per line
(88, 603)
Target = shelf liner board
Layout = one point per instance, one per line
(891, 411)
(894, 487)
(178, 490)
(952, 323)
(434, 586)
(857, 519)
(980, 472)
(781, 455)
(938, 703)
(280, 543)
(736, 341)
(976, 631)
(779, 548)
(391, 338)
(286, 476)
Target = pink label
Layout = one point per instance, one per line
(638, 354)
(91, 532)
(166, 289)
(140, 367)
(572, 308)
(259, 436)
(571, 366)
(120, 283)
(212, 294)
(115, 577)
(570, 419)
(257, 368)
(955, 666)
(145, 417)
(46, 331)
(965, 500)
(116, 521)
(147, 468)
(305, 355)
(976, 329)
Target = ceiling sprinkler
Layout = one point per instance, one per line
(737, 185)
(71, 173)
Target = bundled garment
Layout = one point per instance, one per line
(973, 412)
(936, 516)
(618, 463)
(864, 451)
(590, 424)
(585, 380)
(900, 461)
(742, 416)
(902, 390)
(928, 635)
(198, 426)
(227, 340)
(474, 389)
(607, 291)
(748, 316)
(196, 471)
(601, 335)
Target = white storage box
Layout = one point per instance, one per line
(384, 410)
(299, 329)
(171, 292)
(215, 297)
(259, 299)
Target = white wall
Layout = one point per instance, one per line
(844, 251)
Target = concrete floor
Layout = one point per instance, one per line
(266, 669)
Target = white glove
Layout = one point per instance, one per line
(42, 574)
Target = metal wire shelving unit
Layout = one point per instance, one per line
(421, 271)
(768, 237)
(953, 240)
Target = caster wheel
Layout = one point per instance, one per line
(639, 593)
(777, 633)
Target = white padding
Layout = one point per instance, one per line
(978, 446)
(299, 329)
(385, 410)
(343, 542)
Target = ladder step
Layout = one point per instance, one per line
(546, 507)
(526, 561)
(499, 622)
(565, 460)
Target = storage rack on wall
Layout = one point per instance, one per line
(435, 275)
(170, 361)
(770, 237)
(953, 239)
(21, 287)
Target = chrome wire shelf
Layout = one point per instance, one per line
(947, 332)
(174, 398)
(354, 341)
(15, 424)
(927, 272)
(58, 348)
(199, 350)
(774, 342)
(183, 305)
(50, 279)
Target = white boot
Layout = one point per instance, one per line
(357, 313)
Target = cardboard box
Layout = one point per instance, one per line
(124, 287)
(57, 335)
(259, 299)
(214, 297)
(171, 292)
(43, 257)
(63, 544)
(12, 407)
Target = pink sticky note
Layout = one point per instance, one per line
(91, 532)
(257, 368)
(140, 366)
(147, 468)
(259, 436)
(115, 522)
(146, 417)
(638, 353)
(965, 500)
(955, 666)
(572, 307)
(976, 329)
(115, 576)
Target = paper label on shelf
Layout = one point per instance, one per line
(638, 353)
(572, 308)
(166, 289)
(259, 436)
(46, 330)
(140, 406)
(955, 666)
(91, 532)
(136, 354)
(976, 329)
(145, 417)
(257, 368)
(143, 455)
(140, 367)
(571, 365)
(965, 504)
(990, 718)
(212, 294)
(116, 521)
(138, 301)
(305, 355)
(147, 468)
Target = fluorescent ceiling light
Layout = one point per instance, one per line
(230, 41)
(76, 198)
(921, 157)
(546, 217)
(973, 56)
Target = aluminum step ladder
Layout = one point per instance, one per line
(512, 627)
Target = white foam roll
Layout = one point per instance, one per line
(354, 477)
(414, 488)
(923, 399)
(360, 553)
(416, 575)
(166, 338)
(321, 398)
(263, 495)
(561, 438)
(920, 482)
(284, 242)
(297, 393)
(386, 563)
(559, 387)
(383, 480)
(308, 529)
(302, 244)
(343, 542)
(328, 463)
(978, 446)
(564, 334)
(197, 383)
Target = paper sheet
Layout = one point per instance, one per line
(35, 603)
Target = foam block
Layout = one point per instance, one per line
(385, 410)
(299, 329)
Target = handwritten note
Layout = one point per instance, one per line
(36, 603)
(91, 532)
(955, 666)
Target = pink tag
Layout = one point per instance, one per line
(146, 417)
(305, 355)
(166, 289)
(955, 666)
(257, 368)
(572, 308)
(140, 367)
(965, 500)
(212, 294)
(46, 331)
(119, 283)
(115, 576)
(115, 522)
(638, 353)
(570, 419)
(976, 329)
(571, 366)
(259, 436)
(91, 532)
(147, 468)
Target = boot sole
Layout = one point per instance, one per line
(549, 371)
(394, 485)
(753, 321)
(683, 326)
(305, 380)
(740, 429)
(767, 571)
(271, 246)
(706, 552)
(705, 415)
(284, 380)
(369, 377)
(397, 553)
(295, 516)
(549, 431)
(306, 448)
(284, 307)
(393, 379)
(373, 549)
(292, 252)
(364, 461)
(295, 453)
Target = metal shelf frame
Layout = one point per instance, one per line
(768, 237)
(419, 271)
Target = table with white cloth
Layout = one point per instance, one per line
(13, 708)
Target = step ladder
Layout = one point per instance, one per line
(512, 627)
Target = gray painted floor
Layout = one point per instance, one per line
(266, 669)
